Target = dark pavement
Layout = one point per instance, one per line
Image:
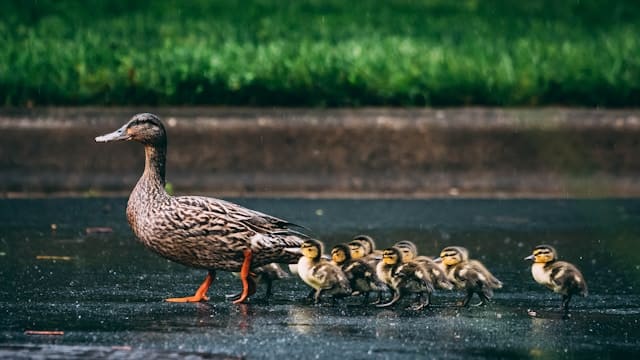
(105, 292)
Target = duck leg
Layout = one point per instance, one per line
(201, 293)
(396, 297)
(269, 292)
(565, 302)
(423, 302)
(247, 289)
(467, 298)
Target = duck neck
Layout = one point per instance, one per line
(154, 166)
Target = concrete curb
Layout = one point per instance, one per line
(489, 152)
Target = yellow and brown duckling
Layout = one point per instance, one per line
(363, 247)
(369, 243)
(323, 276)
(468, 275)
(404, 278)
(436, 273)
(362, 277)
(559, 276)
(196, 231)
(266, 274)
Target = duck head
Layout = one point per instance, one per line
(543, 254)
(391, 256)
(453, 255)
(367, 241)
(145, 128)
(408, 249)
(357, 249)
(311, 249)
(340, 253)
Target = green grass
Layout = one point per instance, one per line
(321, 53)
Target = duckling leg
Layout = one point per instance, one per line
(253, 285)
(268, 294)
(247, 282)
(484, 298)
(201, 293)
(396, 297)
(467, 299)
(565, 302)
(423, 302)
(365, 297)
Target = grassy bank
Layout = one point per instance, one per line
(333, 53)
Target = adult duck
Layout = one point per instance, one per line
(196, 231)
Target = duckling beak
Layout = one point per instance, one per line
(530, 257)
(437, 260)
(120, 134)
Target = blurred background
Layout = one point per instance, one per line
(320, 53)
(402, 97)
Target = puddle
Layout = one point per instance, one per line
(104, 291)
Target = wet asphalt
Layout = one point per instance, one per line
(72, 266)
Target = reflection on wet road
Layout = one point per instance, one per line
(105, 291)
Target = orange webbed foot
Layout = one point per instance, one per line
(200, 295)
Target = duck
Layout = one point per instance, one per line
(436, 273)
(196, 231)
(468, 275)
(362, 277)
(404, 278)
(559, 276)
(323, 276)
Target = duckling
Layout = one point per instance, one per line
(362, 277)
(200, 232)
(265, 274)
(323, 276)
(559, 276)
(404, 278)
(468, 275)
(362, 249)
(436, 273)
(370, 244)
(408, 248)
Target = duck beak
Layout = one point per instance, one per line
(120, 134)
(437, 260)
(530, 257)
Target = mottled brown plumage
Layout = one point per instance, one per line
(196, 231)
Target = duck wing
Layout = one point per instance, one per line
(566, 278)
(413, 277)
(436, 273)
(491, 280)
(211, 208)
(238, 227)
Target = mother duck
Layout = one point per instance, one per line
(196, 231)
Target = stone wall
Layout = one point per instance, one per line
(330, 152)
